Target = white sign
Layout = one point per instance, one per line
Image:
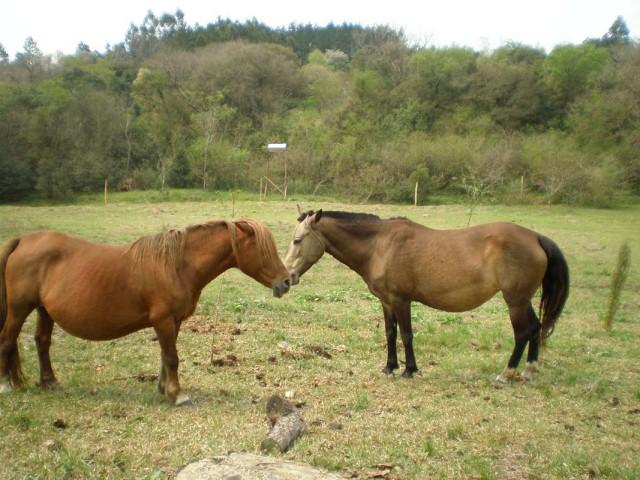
(273, 147)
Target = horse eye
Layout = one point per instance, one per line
(296, 241)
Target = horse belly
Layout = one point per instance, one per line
(456, 301)
(95, 325)
(456, 297)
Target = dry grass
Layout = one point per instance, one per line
(578, 419)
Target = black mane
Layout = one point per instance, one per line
(348, 216)
(352, 216)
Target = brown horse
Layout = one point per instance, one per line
(101, 292)
(451, 270)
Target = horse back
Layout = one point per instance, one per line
(457, 270)
(46, 256)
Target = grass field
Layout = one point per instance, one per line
(579, 418)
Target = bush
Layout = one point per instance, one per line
(564, 173)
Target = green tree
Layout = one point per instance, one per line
(4, 56)
(31, 58)
(257, 80)
(570, 71)
(618, 34)
(508, 85)
(439, 79)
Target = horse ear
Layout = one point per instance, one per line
(318, 215)
(304, 215)
(299, 209)
(245, 228)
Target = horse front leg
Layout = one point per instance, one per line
(42, 337)
(391, 331)
(402, 313)
(167, 332)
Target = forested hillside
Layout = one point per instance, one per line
(365, 113)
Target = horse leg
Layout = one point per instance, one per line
(10, 370)
(167, 333)
(162, 376)
(521, 322)
(534, 346)
(391, 331)
(402, 313)
(42, 337)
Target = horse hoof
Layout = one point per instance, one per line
(507, 376)
(388, 370)
(5, 387)
(527, 373)
(182, 399)
(408, 373)
(50, 385)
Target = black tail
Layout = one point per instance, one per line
(5, 250)
(555, 286)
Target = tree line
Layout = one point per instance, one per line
(366, 114)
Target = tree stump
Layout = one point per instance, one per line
(286, 425)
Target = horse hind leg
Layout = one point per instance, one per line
(42, 337)
(10, 369)
(523, 326)
(534, 346)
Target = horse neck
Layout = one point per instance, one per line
(349, 246)
(207, 254)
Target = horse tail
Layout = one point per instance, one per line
(555, 286)
(13, 361)
(5, 250)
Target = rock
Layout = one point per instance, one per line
(247, 466)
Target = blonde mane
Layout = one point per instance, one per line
(264, 240)
(168, 247)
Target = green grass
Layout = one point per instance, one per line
(578, 416)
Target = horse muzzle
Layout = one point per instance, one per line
(282, 287)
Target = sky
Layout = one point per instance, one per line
(58, 26)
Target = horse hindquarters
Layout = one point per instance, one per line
(527, 328)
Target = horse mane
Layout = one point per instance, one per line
(353, 216)
(168, 247)
(355, 223)
(264, 240)
(164, 247)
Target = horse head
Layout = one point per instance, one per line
(307, 245)
(257, 256)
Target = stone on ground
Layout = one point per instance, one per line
(247, 466)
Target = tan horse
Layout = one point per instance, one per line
(451, 270)
(101, 292)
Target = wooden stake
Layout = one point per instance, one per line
(415, 196)
(233, 204)
(106, 182)
(285, 177)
